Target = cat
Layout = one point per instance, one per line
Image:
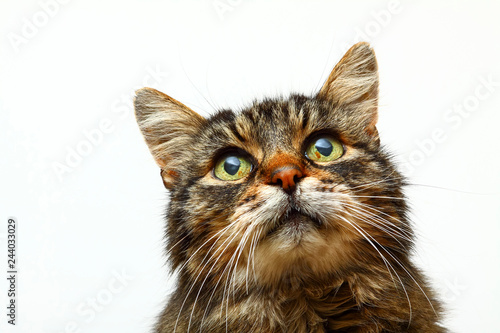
(289, 215)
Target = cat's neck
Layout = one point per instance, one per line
(299, 307)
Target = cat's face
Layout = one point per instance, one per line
(288, 187)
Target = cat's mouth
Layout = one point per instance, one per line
(294, 222)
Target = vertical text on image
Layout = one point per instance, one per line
(12, 272)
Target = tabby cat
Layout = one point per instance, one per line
(287, 216)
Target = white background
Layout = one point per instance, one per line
(88, 198)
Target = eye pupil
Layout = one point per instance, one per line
(324, 147)
(232, 165)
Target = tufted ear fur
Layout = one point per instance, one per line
(167, 125)
(353, 83)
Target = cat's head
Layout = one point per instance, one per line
(287, 187)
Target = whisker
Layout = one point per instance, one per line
(253, 244)
(167, 253)
(227, 268)
(410, 275)
(240, 249)
(202, 245)
(377, 197)
(450, 189)
(368, 216)
(371, 184)
(228, 240)
(388, 232)
(364, 234)
(221, 232)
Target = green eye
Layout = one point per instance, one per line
(232, 167)
(324, 149)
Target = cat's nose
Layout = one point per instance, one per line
(286, 177)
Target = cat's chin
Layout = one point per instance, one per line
(292, 227)
(300, 247)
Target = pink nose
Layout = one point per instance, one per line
(286, 177)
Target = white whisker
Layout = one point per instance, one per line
(364, 234)
(221, 232)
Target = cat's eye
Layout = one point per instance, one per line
(232, 167)
(324, 149)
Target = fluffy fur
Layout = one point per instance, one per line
(243, 264)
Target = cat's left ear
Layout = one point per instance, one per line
(167, 126)
(354, 83)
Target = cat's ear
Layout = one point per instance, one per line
(354, 83)
(167, 126)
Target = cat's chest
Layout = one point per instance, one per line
(301, 311)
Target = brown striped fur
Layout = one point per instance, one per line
(240, 268)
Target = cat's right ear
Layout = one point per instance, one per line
(167, 125)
